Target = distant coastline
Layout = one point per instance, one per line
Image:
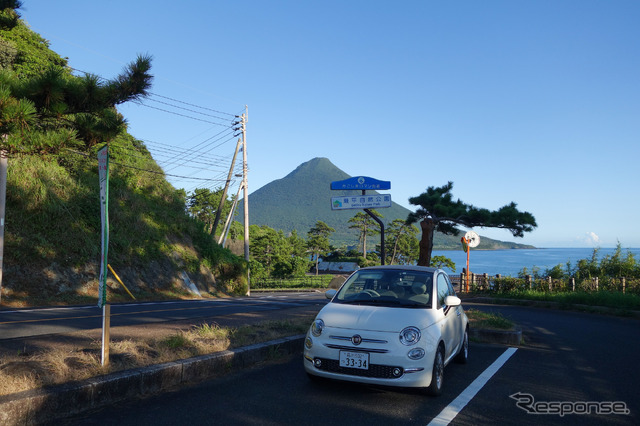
(512, 261)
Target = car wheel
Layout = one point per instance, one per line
(463, 355)
(437, 375)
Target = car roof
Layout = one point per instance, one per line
(400, 267)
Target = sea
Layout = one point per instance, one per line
(511, 261)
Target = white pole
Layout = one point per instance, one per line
(106, 325)
(224, 191)
(245, 188)
(3, 197)
(227, 225)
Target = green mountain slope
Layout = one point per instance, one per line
(52, 222)
(303, 197)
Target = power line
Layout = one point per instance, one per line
(198, 152)
(178, 114)
(170, 99)
(213, 163)
(185, 109)
(196, 106)
(170, 157)
(162, 173)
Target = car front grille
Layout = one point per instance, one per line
(374, 371)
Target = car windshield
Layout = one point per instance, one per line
(393, 288)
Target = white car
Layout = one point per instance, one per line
(391, 326)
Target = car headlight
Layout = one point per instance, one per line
(410, 336)
(317, 327)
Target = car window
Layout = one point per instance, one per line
(388, 287)
(452, 291)
(443, 290)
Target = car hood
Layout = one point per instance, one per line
(376, 318)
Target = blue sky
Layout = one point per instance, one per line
(536, 102)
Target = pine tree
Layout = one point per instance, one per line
(318, 240)
(402, 242)
(438, 212)
(366, 226)
(56, 110)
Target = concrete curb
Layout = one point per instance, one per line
(504, 337)
(44, 405)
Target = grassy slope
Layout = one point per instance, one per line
(52, 233)
(52, 241)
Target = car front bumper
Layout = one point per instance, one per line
(389, 364)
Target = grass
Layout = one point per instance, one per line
(487, 320)
(609, 299)
(24, 371)
(52, 247)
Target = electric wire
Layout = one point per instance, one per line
(214, 163)
(196, 106)
(196, 151)
(201, 151)
(162, 173)
(172, 151)
(178, 114)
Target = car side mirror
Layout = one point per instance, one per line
(452, 301)
(330, 293)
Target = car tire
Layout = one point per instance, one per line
(437, 375)
(463, 355)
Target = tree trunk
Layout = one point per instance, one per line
(395, 249)
(364, 243)
(426, 242)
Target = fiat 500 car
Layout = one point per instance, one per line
(391, 326)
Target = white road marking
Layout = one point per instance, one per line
(451, 411)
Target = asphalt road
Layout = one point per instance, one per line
(570, 359)
(22, 323)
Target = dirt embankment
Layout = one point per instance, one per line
(54, 284)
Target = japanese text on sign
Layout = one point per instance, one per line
(361, 202)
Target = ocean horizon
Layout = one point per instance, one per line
(509, 262)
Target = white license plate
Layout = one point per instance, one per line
(358, 360)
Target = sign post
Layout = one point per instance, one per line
(364, 201)
(103, 175)
(470, 239)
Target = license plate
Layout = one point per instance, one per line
(359, 360)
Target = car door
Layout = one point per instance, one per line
(450, 319)
(456, 319)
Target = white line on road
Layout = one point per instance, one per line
(452, 410)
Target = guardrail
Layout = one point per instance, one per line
(479, 283)
(310, 281)
(497, 283)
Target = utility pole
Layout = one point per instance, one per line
(225, 231)
(224, 192)
(245, 188)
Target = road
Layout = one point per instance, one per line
(569, 359)
(21, 323)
